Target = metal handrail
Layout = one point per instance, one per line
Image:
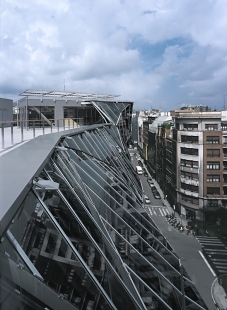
(38, 127)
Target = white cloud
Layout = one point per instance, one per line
(89, 44)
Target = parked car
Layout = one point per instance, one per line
(140, 163)
(149, 180)
(146, 200)
(156, 195)
(154, 189)
(145, 173)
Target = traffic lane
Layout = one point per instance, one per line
(187, 248)
(146, 187)
(148, 192)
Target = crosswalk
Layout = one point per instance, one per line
(216, 253)
(157, 210)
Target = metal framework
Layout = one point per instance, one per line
(64, 94)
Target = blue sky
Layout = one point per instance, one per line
(157, 53)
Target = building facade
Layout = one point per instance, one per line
(195, 161)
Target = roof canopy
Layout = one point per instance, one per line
(60, 94)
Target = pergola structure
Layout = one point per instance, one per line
(63, 94)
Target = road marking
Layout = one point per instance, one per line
(161, 212)
(216, 250)
(208, 265)
(164, 211)
(153, 210)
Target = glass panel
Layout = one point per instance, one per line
(56, 261)
(112, 116)
(148, 273)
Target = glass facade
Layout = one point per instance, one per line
(82, 240)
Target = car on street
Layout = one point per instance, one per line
(154, 189)
(145, 173)
(156, 195)
(149, 180)
(140, 163)
(146, 200)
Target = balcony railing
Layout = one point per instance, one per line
(190, 181)
(189, 193)
(14, 132)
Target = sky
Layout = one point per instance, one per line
(160, 54)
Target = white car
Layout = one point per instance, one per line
(146, 200)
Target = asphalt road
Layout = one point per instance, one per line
(187, 247)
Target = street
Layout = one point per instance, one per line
(187, 247)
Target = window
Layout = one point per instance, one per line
(189, 163)
(213, 190)
(213, 166)
(224, 127)
(213, 153)
(190, 126)
(168, 155)
(211, 126)
(189, 139)
(189, 176)
(189, 151)
(169, 145)
(213, 140)
(213, 178)
(190, 187)
(224, 139)
(212, 203)
(190, 199)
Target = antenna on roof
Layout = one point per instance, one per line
(224, 101)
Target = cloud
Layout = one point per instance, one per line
(155, 49)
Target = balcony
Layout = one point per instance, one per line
(189, 193)
(190, 169)
(190, 181)
(190, 205)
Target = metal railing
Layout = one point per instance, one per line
(14, 132)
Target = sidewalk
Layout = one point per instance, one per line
(212, 229)
(165, 202)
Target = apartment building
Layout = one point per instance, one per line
(196, 163)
